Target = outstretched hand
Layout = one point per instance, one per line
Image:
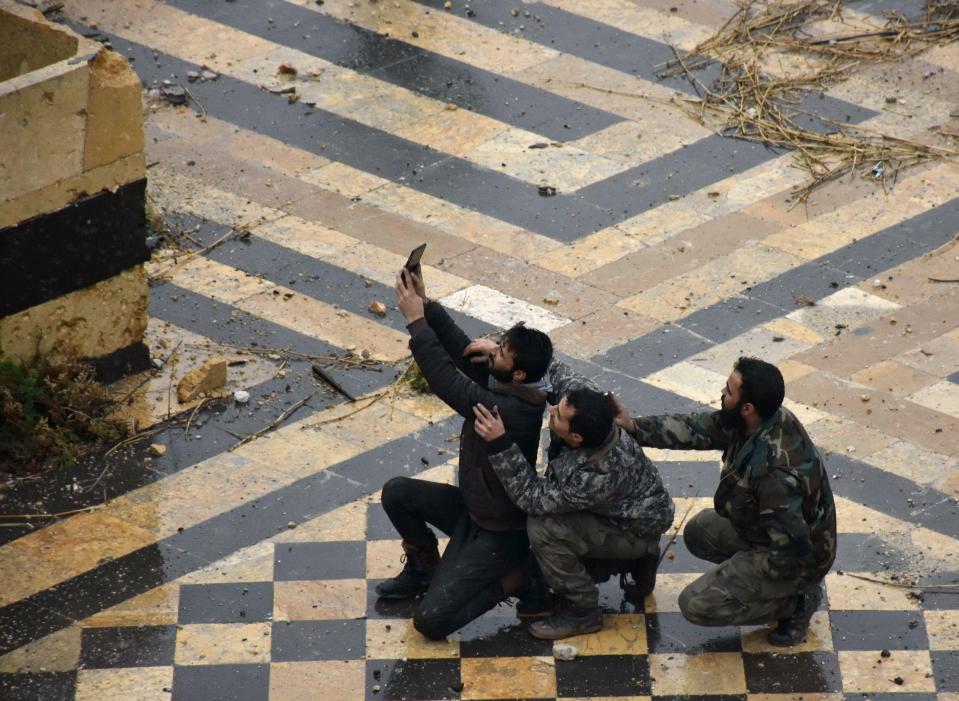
(409, 302)
(489, 425)
(623, 419)
(479, 350)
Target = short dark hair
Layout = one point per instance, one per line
(532, 351)
(594, 415)
(763, 385)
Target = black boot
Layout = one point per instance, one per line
(535, 598)
(567, 622)
(420, 563)
(792, 631)
(643, 572)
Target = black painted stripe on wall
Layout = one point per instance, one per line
(86, 242)
(425, 72)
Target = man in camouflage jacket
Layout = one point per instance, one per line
(600, 498)
(772, 531)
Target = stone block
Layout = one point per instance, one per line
(58, 195)
(90, 322)
(42, 125)
(205, 379)
(28, 42)
(114, 111)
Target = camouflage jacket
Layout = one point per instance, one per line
(773, 486)
(615, 480)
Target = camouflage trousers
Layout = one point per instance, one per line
(561, 541)
(737, 591)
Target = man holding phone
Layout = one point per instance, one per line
(488, 546)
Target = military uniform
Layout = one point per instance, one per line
(772, 530)
(599, 503)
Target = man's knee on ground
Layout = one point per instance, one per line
(695, 536)
(432, 625)
(694, 610)
(394, 491)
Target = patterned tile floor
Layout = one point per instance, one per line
(209, 573)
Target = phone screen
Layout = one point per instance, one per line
(415, 256)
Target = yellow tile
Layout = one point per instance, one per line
(942, 627)
(663, 223)
(852, 594)
(383, 558)
(218, 281)
(367, 429)
(397, 639)
(320, 320)
(337, 680)
(913, 462)
(58, 652)
(319, 600)
(65, 549)
(156, 607)
(793, 370)
(897, 378)
(379, 265)
(456, 132)
(127, 684)
(942, 397)
(844, 436)
(669, 585)
(605, 698)
(344, 179)
(793, 329)
(565, 167)
(819, 637)
(508, 677)
(853, 517)
(347, 522)
(710, 283)
(758, 342)
(794, 697)
(223, 643)
(252, 564)
(690, 380)
(936, 546)
(590, 252)
(622, 634)
(295, 453)
(704, 673)
(662, 455)
(309, 238)
(869, 672)
(427, 407)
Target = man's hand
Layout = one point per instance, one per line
(489, 425)
(623, 418)
(418, 285)
(480, 349)
(410, 303)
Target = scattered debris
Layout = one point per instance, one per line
(174, 94)
(565, 651)
(546, 190)
(241, 396)
(377, 307)
(286, 69)
(276, 422)
(451, 106)
(157, 449)
(804, 299)
(539, 144)
(328, 379)
(205, 379)
(551, 300)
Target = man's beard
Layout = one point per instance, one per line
(503, 376)
(732, 417)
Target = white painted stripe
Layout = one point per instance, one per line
(494, 307)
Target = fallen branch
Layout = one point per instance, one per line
(898, 585)
(676, 530)
(280, 419)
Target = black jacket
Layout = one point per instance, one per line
(438, 344)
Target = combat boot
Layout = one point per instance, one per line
(792, 631)
(643, 572)
(418, 568)
(566, 622)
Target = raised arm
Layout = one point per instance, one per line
(679, 431)
(563, 379)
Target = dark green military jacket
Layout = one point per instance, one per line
(773, 486)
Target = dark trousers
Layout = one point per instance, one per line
(466, 583)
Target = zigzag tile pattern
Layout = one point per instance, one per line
(217, 571)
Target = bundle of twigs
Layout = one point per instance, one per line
(749, 103)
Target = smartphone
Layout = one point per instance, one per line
(413, 262)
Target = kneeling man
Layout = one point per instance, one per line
(772, 532)
(600, 498)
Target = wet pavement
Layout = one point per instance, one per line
(209, 571)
